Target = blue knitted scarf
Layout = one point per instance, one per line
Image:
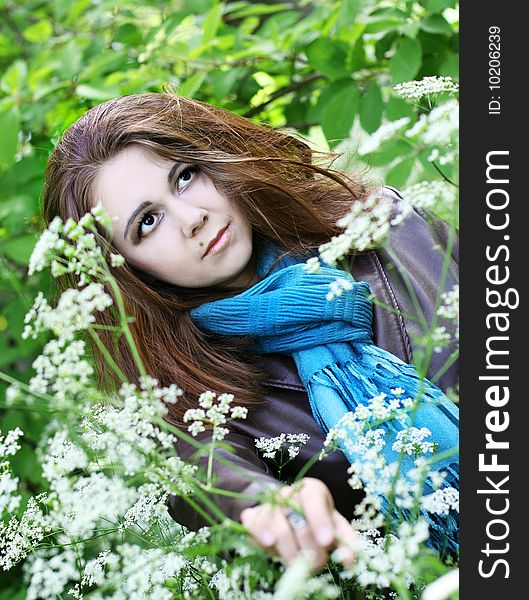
(331, 342)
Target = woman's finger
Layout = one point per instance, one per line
(285, 538)
(348, 540)
(271, 530)
(306, 541)
(318, 507)
(257, 520)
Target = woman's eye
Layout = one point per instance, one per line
(147, 223)
(186, 176)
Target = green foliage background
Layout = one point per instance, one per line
(325, 69)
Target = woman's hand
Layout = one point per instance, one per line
(324, 529)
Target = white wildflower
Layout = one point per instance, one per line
(366, 225)
(440, 338)
(61, 370)
(312, 265)
(9, 445)
(411, 441)
(442, 588)
(49, 571)
(150, 506)
(292, 582)
(291, 441)
(430, 194)
(440, 130)
(426, 86)
(19, 536)
(441, 501)
(73, 313)
(338, 287)
(196, 427)
(116, 260)
(385, 132)
(94, 569)
(44, 249)
(215, 410)
(239, 412)
(101, 216)
(9, 501)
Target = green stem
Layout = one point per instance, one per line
(124, 324)
(104, 351)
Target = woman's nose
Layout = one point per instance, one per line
(191, 219)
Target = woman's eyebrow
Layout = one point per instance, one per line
(144, 205)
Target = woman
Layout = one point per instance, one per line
(197, 194)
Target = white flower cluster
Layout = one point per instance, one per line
(126, 434)
(9, 446)
(338, 287)
(20, 536)
(297, 582)
(132, 572)
(61, 370)
(271, 446)
(384, 133)
(440, 338)
(48, 572)
(71, 247)
(382, 560)
(378, 409)
(441, 501)
(443, 588)
(365, 226)
(215, 414)
(428, 194)
(74, 312)
(426, 86)
(439, 128)
(411, 441)
(449, 308)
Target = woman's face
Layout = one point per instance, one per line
(165, 217)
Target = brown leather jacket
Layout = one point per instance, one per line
(416, 247)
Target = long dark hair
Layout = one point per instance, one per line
(273, 178)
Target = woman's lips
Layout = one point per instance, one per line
(220, 241)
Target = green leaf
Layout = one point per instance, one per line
(436, 24)
(384, 44)
(398, 175)
(339, 112)
(371, 109)
(379, 24)
(348, 12)
(93, 93)
(128, 34)
(25, 464)
(9, 126)
(406, 61)
(389, 151)
(192, 84)
(19, 249)
(328, 56)
(14, 78)
(397, 108)
(223, 81)
(38, 32)
(212, 23)
(450, 67)
(13, 593)
(436, 6)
